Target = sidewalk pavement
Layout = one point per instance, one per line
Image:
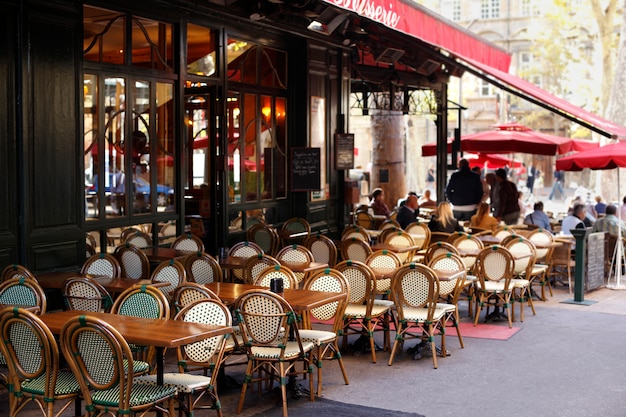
(568, 360)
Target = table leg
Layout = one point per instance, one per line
(159, 366)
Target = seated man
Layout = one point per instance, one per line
(609, 223)
(407, 213)
(538, 217)
(574, 220)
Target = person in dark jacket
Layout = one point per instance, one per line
(443, 220)
(464, 191)
(508, 208)
(407, 213)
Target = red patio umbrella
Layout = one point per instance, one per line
(606, 157)
(515, 138)
(492, 161)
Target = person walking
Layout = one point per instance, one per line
(530, 178)
(558, 185)
(508, 208)
(464, 191)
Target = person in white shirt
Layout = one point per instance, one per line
(574, 220)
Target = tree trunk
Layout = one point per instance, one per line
(388, 154)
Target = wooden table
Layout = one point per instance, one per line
(387, 273)
(396, 249)
(160, 333)
(300, 300)
(157, 254)
(55, 280)
(489, 239)
(303, 266)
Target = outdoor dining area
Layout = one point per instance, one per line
(277, 305)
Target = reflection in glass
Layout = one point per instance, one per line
(201, 45)
(90, 142)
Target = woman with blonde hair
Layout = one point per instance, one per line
(482, 219)
(443, 220)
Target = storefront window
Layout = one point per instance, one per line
(201, 47)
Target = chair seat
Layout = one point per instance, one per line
(317, 337)
(418, 314)
(386, 303)
(66, 384)
(492, 286)
(185, 383)
(448, 308)
(139, 367)
(230, 342)
(537, 269)
(520, 283)
(141, 394)
(357, 311)
(292, 350)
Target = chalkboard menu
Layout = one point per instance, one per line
(595, 261)
(344, 151)
(305, 169)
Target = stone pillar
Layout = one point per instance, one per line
(388, 137)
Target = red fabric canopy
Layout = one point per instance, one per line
(419, 22)
(492, 161)
(543, 98)
(605, 157)
(515, 138)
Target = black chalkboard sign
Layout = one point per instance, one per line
(305, 169)
(595, 261)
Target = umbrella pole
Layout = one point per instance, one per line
(619, 251)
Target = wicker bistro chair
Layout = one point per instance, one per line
(387, 262)
(244, 249)
(401, 239)
(21, 292)
(438, 237)
(265, 236)
(85, 294)
(524, 255)
(468, 246)
(503, 231)
(323, 249)
(33, 361)
(202, 268)
(385, 233)
(416, 292)
(326, 342)
(295, 254)
(188, 243)
(142, 301)
(438, 248)
(171, 272)
(494, 271)
(278, 271)
(355, 232)
(134, 262)
(364, 219)
(206, 355)
(450, 291)
(102, 264)
(272, 341)
(190, 292)
(99, 355)
(420, 233)
(255, 265)
(16, 271)
(362, 315)
(387, 224)
(24, 292)
(542, 239)
(139, 239)
(355, 249)
(296, 225)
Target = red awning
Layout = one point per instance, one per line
(419, 22)
(528, 91)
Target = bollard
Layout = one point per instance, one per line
(579, 275)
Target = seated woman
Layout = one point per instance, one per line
(483, 219)
(443, 220)
(377, 203)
